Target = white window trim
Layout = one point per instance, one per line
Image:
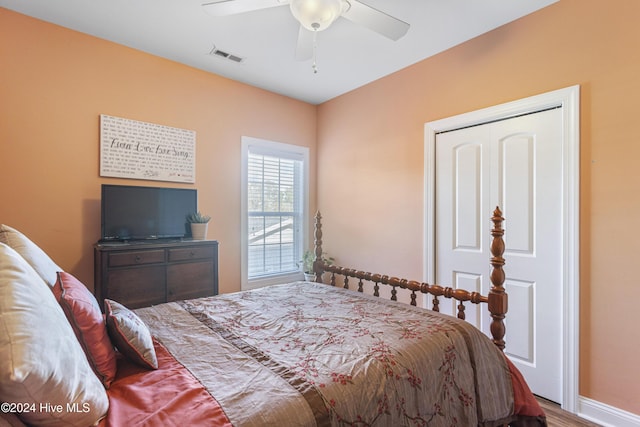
(272, 148)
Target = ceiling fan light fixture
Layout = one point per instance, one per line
(316, 15)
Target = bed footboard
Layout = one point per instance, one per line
(497, 299)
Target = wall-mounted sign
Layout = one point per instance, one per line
(140, 150)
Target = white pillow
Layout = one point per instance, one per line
(130, 335)
(41, 360)
(35, 256)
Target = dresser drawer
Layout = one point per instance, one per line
(186, 254)
(186, 280)
(136, 258)
(138, 286)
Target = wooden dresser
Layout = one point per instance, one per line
(142, 274)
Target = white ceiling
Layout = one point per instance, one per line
(348, 56)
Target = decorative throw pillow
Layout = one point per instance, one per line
(130, 335)
(84, 315)
(31, 252)
(41, 360)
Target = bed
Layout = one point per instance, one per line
(296, 354)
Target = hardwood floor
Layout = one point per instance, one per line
(556, 417)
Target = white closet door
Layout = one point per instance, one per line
(515, 164)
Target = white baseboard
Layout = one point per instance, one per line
(606, 415)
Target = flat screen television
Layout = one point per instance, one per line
(146, 213)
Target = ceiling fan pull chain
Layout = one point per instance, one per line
(315, 53)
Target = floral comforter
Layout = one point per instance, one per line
(306, 354)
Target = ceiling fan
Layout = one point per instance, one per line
(315, 16)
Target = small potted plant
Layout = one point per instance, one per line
(308, 258)
(199, 223)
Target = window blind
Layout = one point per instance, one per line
(274, 209)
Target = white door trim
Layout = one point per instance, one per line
(569, 100)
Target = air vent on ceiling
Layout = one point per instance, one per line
(225, 55)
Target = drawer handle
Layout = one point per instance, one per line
(192, 254)
(138, 258)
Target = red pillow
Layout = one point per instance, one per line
(84, 315)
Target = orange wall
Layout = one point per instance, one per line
(373, 138)
(55, 83)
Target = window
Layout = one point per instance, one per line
(275, 187)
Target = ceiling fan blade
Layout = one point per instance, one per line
(304, 46)
(376, 20)
(233, 7)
